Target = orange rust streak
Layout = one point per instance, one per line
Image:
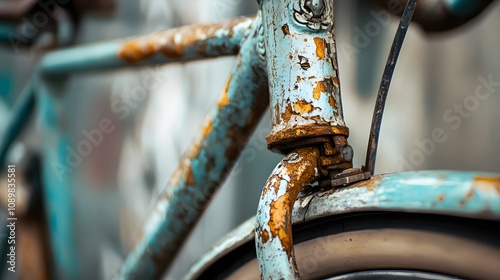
(302, 171)
(224, 99)
(320, 47)
(468, 196)
(320, 87)
(285, 29)
(287, 115)
(332, 101)
(172, 43)
(303, 107)
(190, 177)
(207, 129)
(336, 81)
(264, 236)
(370, 185)
(487, 184)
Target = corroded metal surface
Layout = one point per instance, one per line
(462, 194)
(465, 194)
(203, 169)
(189, 41)
(302, 67)
(273, 233)
(181, 44)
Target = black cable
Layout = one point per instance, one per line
(378, 113)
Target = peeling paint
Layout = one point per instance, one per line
(320, 47)
(195, 40)
(302, 67)
(204, 167)
(273, 235)
(488, 183)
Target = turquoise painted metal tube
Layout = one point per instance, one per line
(463, 194)
(57, 192)
(273, 229)
(203, 169)
(18, 117)
(182, 44)
(302, 67)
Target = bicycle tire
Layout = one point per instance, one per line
(440, 245)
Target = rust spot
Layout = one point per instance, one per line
(207, 129)
(277, 222)
(370, 185)
(285, 29)
(301, 172)
(323, 86)
(174, 51)
(303, 107)
(318, 89)
(287, 115)
(487, 184)
(172, 43)
(264, 236)
(188, 175)
(336, 81)
(224, 99)
(332, 102)
(468, 196)
(441, 197)
(299, 79)
(320, 47)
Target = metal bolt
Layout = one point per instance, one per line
(316, 7)
(347, 153)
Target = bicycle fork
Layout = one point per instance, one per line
(307, 122)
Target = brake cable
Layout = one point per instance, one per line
(371, 153)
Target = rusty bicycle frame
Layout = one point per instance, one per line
(286, 61)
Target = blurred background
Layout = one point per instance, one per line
(114, 189)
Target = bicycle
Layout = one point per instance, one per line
(440, 210)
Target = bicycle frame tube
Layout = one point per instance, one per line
(203, 169)
(274, 236)
(182, 44)
(57, 190)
